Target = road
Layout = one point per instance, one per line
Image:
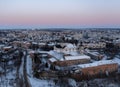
(26, 81)
(22, 79)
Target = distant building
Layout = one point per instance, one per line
(94, 45)
(7, 48)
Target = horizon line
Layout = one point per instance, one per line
(59, 28)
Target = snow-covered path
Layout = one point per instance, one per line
(29, 66)
(22, 79)
(34, 81)
(21, 68)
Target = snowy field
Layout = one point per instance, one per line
(41, 83)
(8, 80)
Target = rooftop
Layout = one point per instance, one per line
(70, 58)
(97, 63)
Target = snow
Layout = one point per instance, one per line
(71, 58)
(70, 46)
(21, 68)
(8, 80)
(117, 60)
(72, 82)
(73, 53)
(52, 59)
(1, 46)
(1, 69)
(29, 65)
(51, 44)
(113, 85)
(94, 53)
(44, 52)
(34, 81)
(105, 57)
(97, 63)
(42, 43)
(31, 52)
(59, 56)
(34, 43)
(77, 57)
(8, 47)
(41, 83)
(55, 54)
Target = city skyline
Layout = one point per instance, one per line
(59, 14)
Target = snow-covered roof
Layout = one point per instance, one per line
(51, 44)
(34, 43)
(72, 53)
(1, 45)
(117, 60)
(70, 58)
(77, 57)
(52, 59)
(44, 52)
(42, 43)
(97, 63)
(117, 41)
(7, 47)
(31, 52)
(70, 46)
(94, 53)
(56, 54)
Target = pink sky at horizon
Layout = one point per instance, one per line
(60, 12)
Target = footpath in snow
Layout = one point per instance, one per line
(34, 81)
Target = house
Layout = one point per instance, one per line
(16, 43)
(25, 44)
(7, 48)
(94, 45)
(117, 43)
(66, 48)
(95, 55)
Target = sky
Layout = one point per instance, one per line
(59, 13)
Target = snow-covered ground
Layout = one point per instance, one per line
(21, 68)
(8, 80)
(106, 82)
(41, 83)
(117, 60)
(29, 66)
(34, 81)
